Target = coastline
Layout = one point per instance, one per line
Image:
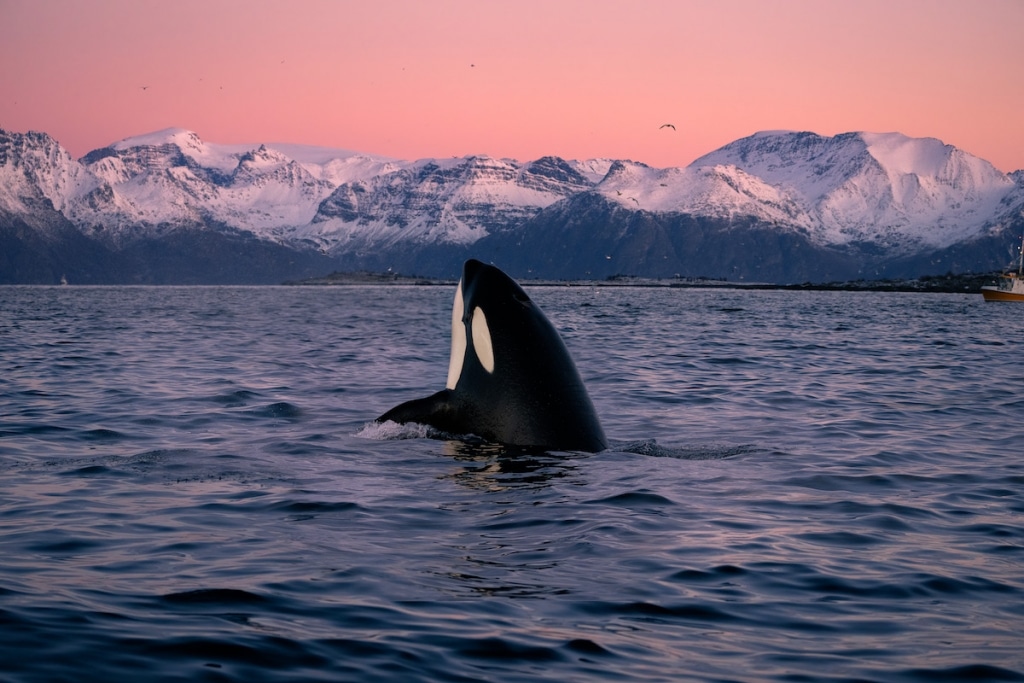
(969, 283)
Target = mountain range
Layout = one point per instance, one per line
(777, 206)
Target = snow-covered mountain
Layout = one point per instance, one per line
(332, 198)
(34, 168)
(451, 201)
(173, 178)
(772, 206)
(715, 190)
(886, 189)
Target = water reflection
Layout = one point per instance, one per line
(515, 537)
(497, 467)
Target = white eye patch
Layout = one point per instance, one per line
(458, 340)
(482, 340)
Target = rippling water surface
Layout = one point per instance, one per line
(803, 487)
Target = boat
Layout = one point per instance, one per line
(63, 279)
(1010, 286)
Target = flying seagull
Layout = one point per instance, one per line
(666, 125)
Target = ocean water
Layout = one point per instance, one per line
(803, 486)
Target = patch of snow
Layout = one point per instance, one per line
(903, 155)
(220, 157)
(594, 170)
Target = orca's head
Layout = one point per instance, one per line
(488, 306)
(510, 378)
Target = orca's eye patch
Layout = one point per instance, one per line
(482, 340)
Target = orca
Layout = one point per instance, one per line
(510, 379)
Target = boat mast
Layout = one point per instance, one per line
(1020, 266)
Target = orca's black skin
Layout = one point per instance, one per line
(532, 396)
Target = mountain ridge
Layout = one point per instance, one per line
(787, 206)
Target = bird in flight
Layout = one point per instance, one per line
(666, 125)
(144, 87)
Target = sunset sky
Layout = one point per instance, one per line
(521, 79)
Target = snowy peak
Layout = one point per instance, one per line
(263, 158)
(173, 177)
(904, 155)
(592, 170)
(719, 191)
(624, 171)
(804, 160)
(178, 141)
(625, 181)
(535, 183)
(262, 167)
(553, 173)
(456, 201)
(882, 188)
(34, 167)
(933, 162)
(185, 146)
(179, 137)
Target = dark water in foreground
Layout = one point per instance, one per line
(805, 487)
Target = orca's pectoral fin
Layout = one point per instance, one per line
(435, 411)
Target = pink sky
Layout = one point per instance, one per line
(520, 79)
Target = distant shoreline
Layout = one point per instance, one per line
(968, 283)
